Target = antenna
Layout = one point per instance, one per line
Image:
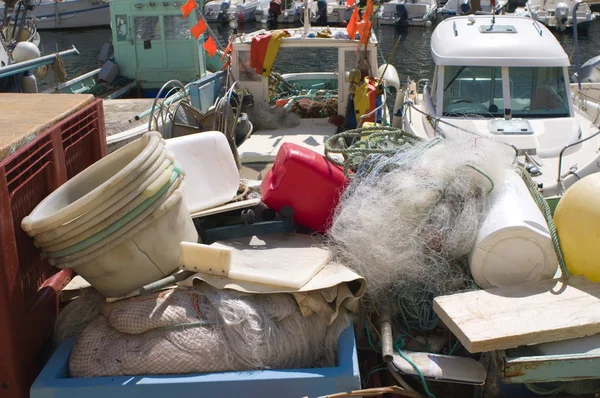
(493, 12)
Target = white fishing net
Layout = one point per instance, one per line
(203, 330)
(266, 117)
(408, 221)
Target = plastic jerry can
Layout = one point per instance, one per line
(307, 182)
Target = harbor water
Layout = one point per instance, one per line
(412, 59)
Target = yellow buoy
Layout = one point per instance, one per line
(577, 222)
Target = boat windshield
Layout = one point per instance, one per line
(534, 91)
(473, 90)
(538, 92)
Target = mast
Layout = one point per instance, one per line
(306, 18)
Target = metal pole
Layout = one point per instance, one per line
(387, 344)
(575, 7)
(19, 67)
(210, 31)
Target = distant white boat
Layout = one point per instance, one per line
(275, 11)
(336, 12)
(225, 10)
(65, 14)
(558, 14)
(407, 12)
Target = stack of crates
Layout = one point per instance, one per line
(29, 286)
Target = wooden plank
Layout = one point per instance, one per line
(24, 116)
(540, 312)
(119, 114)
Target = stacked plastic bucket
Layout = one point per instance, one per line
(118, 223)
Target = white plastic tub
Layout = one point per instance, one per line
(211, 171)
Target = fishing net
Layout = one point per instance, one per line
(411, 215)
(317, 107)
(74, 318)
(203, 330)
(265, 117)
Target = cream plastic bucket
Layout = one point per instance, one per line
(93, 186)
(107, 206)
(115, 235)
(147, 253)
(160, 183)
(95, 220)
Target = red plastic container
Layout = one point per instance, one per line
(28, 284)
(305, 181)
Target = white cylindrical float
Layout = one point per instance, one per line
(513, 245)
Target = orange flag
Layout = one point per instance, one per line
(349, 4)
(369, 11)
(210, 46)
(352, 24)
(188, 7)
(364, 31)
(199, 28)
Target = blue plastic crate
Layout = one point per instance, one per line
(54, 381)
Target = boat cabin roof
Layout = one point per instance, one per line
(511, 41)
(298, 39)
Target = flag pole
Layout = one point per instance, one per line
(210, 31)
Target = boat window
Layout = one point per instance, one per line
(147, 28)
(300, 60)
(246, 72)
(122, 30)
(313, 68)
(538, 92)
(473, 90)
(351, 59)
(177, 28)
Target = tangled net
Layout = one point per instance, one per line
(203, 330)
(410, 217)
(265, 117)
(315, 107)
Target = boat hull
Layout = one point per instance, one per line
(72, 14)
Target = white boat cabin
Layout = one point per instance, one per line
(507, 76)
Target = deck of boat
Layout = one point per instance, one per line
(258, 152)
(119, 114)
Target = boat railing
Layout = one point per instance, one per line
(377, 109)
(562, 151)
(13, 69)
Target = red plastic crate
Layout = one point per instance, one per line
(28, 284)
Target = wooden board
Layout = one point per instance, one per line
(278, 260)
(535, 313)
(119, 114)
(25, 116)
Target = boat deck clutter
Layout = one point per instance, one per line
(368, 260)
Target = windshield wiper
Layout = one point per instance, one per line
(455, 76)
